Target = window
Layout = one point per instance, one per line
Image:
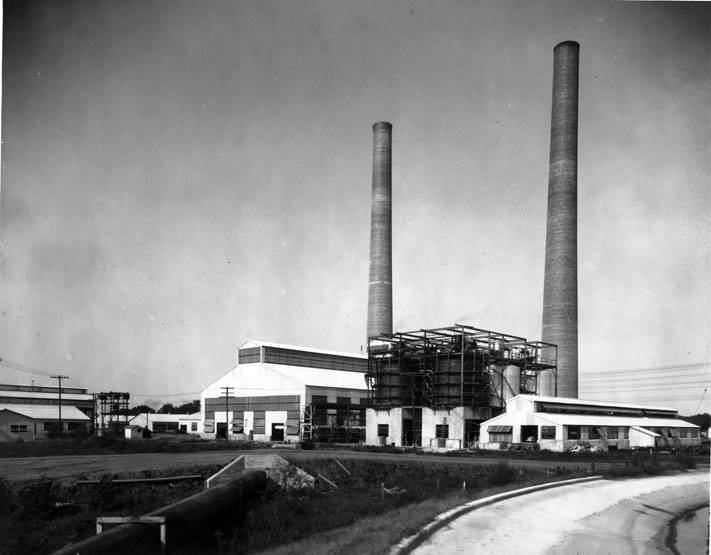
(442, 431)
(383, 430)
(612, 432)
(547, 432)
(573, 432)
(342, 410)
(498, 438)
(593, 432)
(245, 356)
(319, 415)
(193, 426)
(693, 432)
(18, 428)
(277, 355)
(625, 433)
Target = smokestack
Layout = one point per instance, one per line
(560, 290)
(380, 289)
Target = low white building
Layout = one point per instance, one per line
(168, 423)
(286, 393)
(558, 423)
(30, 422)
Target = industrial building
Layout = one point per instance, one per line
(285, 393)
(559, 424)
(434, 387)
(37, 421)
(32, 412)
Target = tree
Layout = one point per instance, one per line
(168, 408)
(702, 420)
(189, 408)
(140, 409)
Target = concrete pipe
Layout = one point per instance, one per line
(183, 520)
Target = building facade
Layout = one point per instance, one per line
(33, 422)
(560, 424)
(281, 392)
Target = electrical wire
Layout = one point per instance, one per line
(22, 368)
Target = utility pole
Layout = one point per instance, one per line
(226, 392)
(59, 378)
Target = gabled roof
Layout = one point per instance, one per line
(320, 377)
(46, 412)
(259, 343)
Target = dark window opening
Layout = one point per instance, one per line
(442, 431)
(319, 414)
(547, 432)
(573, 432)
(529, 433)
(246, 356)
(383, 430)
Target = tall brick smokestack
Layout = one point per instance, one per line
(560, 290)
(380, 288)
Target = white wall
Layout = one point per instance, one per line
(392, 418)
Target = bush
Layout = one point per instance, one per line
(501, 474)
(685, 460)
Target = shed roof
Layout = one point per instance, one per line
(258, 342)
(42, 395)
(572, 401)
(594, 420)
(46, 412)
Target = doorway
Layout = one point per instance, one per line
(529, 434)
(278, 431)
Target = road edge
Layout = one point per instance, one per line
(407, 545)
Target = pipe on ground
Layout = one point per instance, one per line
(183, 520)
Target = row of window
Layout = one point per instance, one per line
(441, 430)
(292, 357)
(593, 432)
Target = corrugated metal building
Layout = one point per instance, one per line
(558, 424)
(283, 392)
(11, 394)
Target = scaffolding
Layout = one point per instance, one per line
(112, 411)
(456, 366)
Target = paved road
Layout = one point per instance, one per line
(71, 467)
(619, 517)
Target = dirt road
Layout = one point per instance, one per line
(71, 467)
(620, 517)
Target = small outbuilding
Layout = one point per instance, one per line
(560, 424)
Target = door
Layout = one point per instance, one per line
(529, 434)
(278, 431)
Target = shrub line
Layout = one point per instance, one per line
(408, 544)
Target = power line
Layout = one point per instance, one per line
(22, 368)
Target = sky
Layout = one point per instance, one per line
(179, 176)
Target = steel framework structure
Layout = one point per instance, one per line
(456, 366)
